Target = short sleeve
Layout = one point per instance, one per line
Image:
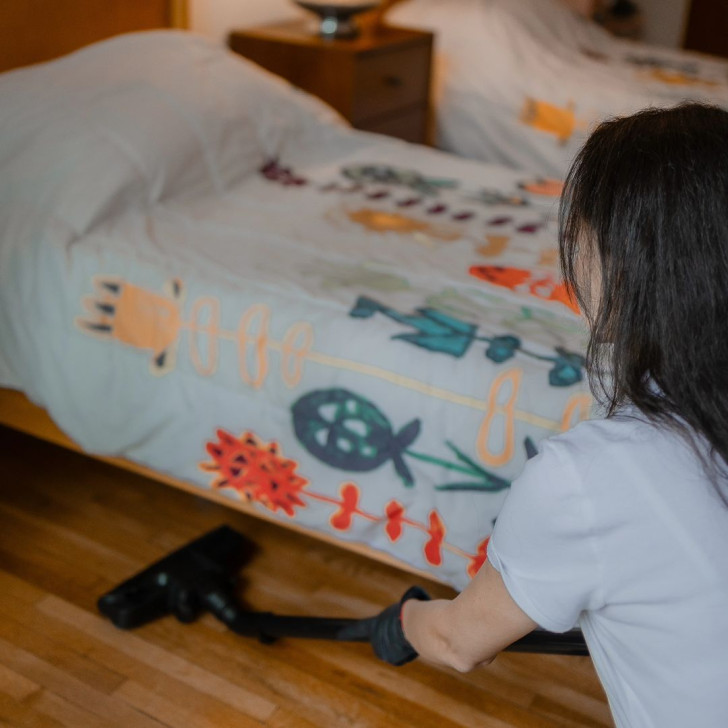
(544, 545)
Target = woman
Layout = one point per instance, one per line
(620, 525)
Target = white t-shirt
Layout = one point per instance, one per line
(614, 526)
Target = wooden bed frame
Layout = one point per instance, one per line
(32, 31)
(39, 30)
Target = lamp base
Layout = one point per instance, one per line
(337, 21)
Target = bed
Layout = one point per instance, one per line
(521, 82)
(208, 277)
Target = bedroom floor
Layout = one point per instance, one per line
(71, 528)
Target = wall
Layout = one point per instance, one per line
(217, 18)
(664, 19)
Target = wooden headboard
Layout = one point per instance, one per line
(39, 30)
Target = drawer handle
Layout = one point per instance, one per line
(393, 81)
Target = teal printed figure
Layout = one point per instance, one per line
(503, 348)
(568, 368)
(386, 175)
(440, 332)
(435, 330)
(496, 197)
(348, 432)
(485, 481)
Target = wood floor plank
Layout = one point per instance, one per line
(72, 664)
(286, 719)
(71, 714)
(16, 686)
(181, 710)
(71, 528)
(17, 588)
(67, 698)
(319, 693)
(172, 666)
(25, 714)
(194, 691)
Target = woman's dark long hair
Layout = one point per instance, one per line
(644, 250)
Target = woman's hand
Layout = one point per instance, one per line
(469, 630)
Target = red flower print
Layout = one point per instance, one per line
(256, 470)
(341, 520)
(395, 516)
(479, 559)
(433, 548)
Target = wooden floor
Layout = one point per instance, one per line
(71, 528)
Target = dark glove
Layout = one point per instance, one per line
(387, 637)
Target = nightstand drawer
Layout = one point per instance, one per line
(386, 82)
(410, 125)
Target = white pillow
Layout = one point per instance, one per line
(137, 118)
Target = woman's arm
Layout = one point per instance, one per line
(469, 630)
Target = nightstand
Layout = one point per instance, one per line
(379, 82)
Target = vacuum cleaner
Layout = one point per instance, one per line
(202, 576)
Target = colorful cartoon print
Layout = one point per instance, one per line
(676, 78)
(256, 470)
(385, 174)
(543, 186)
(559, 121)
(680, 65)
(539, 284)
(497, 197)
(348, 432)
(136, 317)
(481, 303)
(259, 473)
(669, 71)
(379, 182)
(272, 170)
(382, 221)
(336, 275)
(501, 222)
(494, 247)
(433, 330)
(440, 332)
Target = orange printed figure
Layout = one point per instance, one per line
(578, 408)
(379, 221)
(136, 317)
(495, 246)
(549, 258)
(500, 411)
(203, 308)
(253, 332)
(256, 470)
(544, 186)
(541, 285)
(560, 121)
(677, 78)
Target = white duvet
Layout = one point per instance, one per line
(521, 82)
(206, 272)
